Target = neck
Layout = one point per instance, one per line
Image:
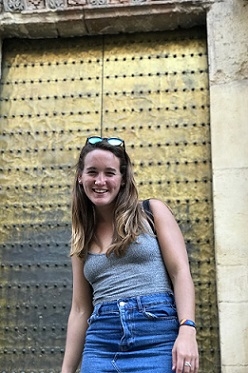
(104, 214)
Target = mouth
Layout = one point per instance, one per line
(100, 191)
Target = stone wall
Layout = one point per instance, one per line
(64, 18)
(228, 63)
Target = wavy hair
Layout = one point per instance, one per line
(129, 218)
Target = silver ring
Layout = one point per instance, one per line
(187, 364)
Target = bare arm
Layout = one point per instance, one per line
(176, 260)
(81, 309)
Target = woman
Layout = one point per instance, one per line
(126, 279)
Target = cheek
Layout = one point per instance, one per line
(85, 179)
(85, 184)
(116, 184)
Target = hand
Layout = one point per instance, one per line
(185, 356)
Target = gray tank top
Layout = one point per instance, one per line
(140, 272)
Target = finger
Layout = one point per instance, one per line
(187, 366)
(197, 365)
(174, 359)
(194, 365)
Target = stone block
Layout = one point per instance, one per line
(234, 336)
(236, 369)
(227, 37)
(40, 18)
(231, 216)
(229, 125)
(232, 283)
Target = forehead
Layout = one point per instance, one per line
(101, 158)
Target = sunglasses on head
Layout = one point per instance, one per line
(114, 141)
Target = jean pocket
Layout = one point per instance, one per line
(160, 312)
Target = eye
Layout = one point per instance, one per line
(91, 172)
(110, 173)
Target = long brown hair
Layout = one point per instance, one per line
(129, 218)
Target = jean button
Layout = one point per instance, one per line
(122, 304)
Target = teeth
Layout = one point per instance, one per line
(100, 191)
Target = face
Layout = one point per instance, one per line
(101, 177)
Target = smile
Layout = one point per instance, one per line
(100, 190)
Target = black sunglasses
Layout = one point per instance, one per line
(114, 141)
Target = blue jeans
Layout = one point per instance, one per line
(131, 335)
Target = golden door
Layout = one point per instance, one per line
(149, 89)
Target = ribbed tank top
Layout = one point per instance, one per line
(140, 272)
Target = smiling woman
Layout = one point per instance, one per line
(116, 323)
(101, 177)
(104, 181)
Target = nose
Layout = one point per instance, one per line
(100, 179)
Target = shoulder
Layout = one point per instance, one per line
(158, 206)
(162, 215)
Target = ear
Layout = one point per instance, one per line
(79, 180)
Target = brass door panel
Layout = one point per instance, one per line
(149, 89)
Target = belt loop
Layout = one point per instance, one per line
(139, 303)
(97, 309)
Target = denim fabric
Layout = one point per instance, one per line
(131, 335)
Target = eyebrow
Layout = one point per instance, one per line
(111, 169)
(106, 169)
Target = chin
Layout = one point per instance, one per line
(102, 201)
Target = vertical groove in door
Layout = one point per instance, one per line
(102, 87)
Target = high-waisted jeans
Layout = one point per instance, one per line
(131, 335)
